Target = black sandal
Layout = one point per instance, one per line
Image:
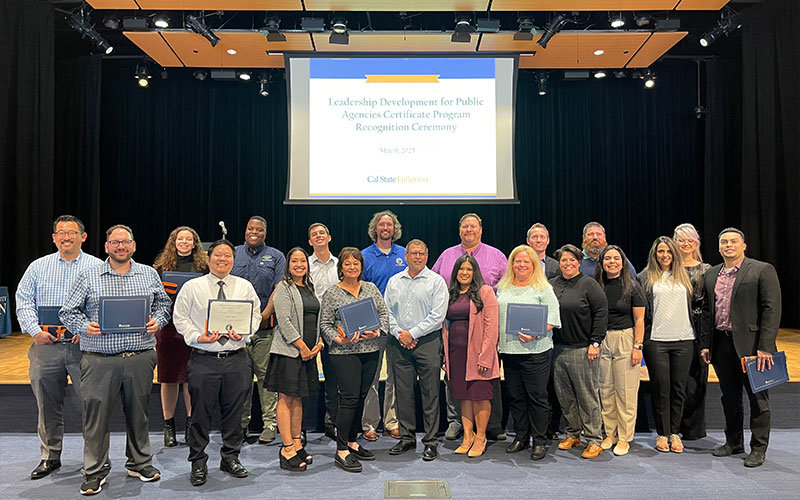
(294, 464)
(303, 454)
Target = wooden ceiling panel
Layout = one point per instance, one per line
(701, 4)
(618, 48)
(386, 41)
(257, 5)
(655, 47)
(113, 4)
(582, 5)
(561, 51)
(154, 46)
(194, 50)
(397, 5)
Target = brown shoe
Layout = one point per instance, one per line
(608, 442)
(592, 451)
(568, 443)
(371, 435)
(395, 433)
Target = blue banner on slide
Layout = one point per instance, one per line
(359, 67)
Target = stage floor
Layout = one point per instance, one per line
(644, 472)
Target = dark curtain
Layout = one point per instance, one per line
(755, 186)
(195, 152)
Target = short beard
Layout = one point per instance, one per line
(593, 250)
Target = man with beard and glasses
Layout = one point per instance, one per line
(594, 241)
(115, 365)
(382, 260)
(53, 355)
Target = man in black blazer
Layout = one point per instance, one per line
(741, 318)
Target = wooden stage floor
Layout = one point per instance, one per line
(14, 358)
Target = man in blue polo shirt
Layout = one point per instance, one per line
(382, 260)
(263, 267)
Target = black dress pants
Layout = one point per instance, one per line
(423, 361)
(731, 379)
(693, 423)
(224, 381)
(354, 374)
(526, 380)
(668, 366)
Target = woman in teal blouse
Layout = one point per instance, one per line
(526, 359)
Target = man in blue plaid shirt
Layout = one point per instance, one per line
(119, 364)
(54, 353)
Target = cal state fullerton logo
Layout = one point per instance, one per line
(399, 262)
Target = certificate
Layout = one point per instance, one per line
(51, 323)
(124, 314)
(770, 377)
(225, 316)
(173, 281)
(359, 316)
(527, 319)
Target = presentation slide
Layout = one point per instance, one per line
(420, 128)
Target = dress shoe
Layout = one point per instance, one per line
(349, 464)
(516, 446)
(454, 431)
(592, 451)
(622, 448)
(496, 434)
(430, 453)
(478, 448)
(402, 447)
(755, 459)
(267, 435)
(371, 435)
(44, 468)
(330, 432)
(395, 433)
(538, 452)
(568, 443)
(608, 442)
(362, 453)
(170, 439)
(464, 447)
(727, 450)
(552, 435)
(199, 474)
(233, 467)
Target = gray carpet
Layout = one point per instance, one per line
(643, 473)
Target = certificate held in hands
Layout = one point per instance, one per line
(226, 316)
(173, 281)
(527, 319)
(124, 314)
(51, 323)
(358, 316)
(770, 377)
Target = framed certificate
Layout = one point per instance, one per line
(124, 314)
(173, 281)
(225, 316)
(527, 319)
(359, 316)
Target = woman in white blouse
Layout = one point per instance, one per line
(669, 338)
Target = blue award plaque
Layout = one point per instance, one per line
(527, 319)
(359, 316)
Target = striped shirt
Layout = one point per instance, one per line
(82, 306)
(46, 283)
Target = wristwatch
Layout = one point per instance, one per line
(638, 346)
(596, 345)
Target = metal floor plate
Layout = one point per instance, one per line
(416, 489)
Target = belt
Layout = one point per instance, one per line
(126, 354)
(216, 354)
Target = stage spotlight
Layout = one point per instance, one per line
(525, 30)
(619, 74)
(263, 87)
(271, 27)
(725, 26)
(81, 24)
(463, 31)
(164, 74)
(111, 22)
(198, 26)
(200, 75)
(553, 27)
(642, 21)
(617, 21)
(599, 74)
(244, 75)
(339, 34)
(142, 75)
(161, 21)
(649, 78)
(543, 83)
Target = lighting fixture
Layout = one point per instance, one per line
(641, 21)
(553, 27)
(599, 74)
(488, 25)
(263, 86)
(463, 31)
(599, 52)
(231, 52)
(543, 83)
(200, 75)
(339, 33)
(619, 74)
(525, 30)
(649, 78)
(617, 21)
(111, 22)
(312, 24)
(725, 26)
(244, 75)
(271, 28)
(161, 21)
(81, 24)
(199, 26)
(142, 75)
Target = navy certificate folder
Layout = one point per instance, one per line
(359, 316)
(174, 280)
(527, 319)
(51, 323)
(124, 314)
(770, 377)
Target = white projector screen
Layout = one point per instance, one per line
(401, 129)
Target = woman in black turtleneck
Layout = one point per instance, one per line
(584, 318)
(182, 253)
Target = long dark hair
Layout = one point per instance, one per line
(474, 290)
(287, 274)
(625, 276)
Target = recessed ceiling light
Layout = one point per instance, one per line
(599, 74)
(599, 52)
(231, 51)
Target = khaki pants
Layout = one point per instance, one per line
(619, 384)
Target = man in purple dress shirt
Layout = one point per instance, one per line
(741, 316)
(493, 265)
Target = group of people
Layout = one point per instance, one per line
(602, 318)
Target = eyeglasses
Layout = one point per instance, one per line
(116, 243)
(417, 254)
(62, 234)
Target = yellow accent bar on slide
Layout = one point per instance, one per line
(410, 195)
(402, 78)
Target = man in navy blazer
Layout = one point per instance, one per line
(741, 318)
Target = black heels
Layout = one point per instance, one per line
(294, 464)
(302, 453)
